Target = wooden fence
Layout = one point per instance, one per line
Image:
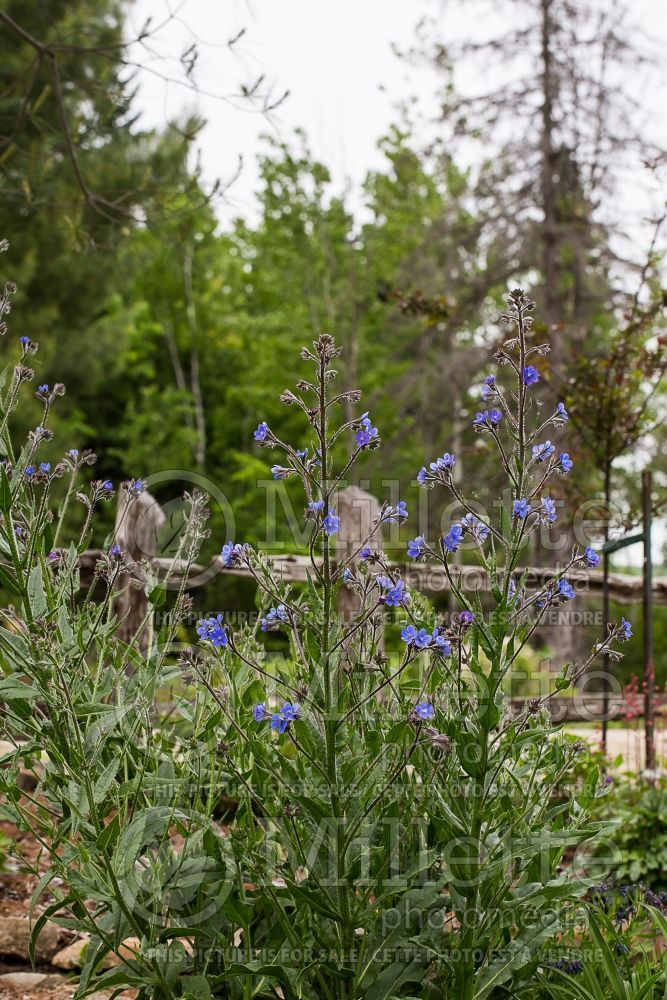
(138, 530)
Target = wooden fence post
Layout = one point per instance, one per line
(137, 527)
(357, 510)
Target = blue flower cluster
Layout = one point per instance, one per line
(543, 451)
(366, 433)
(232, 554)
(591, 557)
(453, 538)
(424, 711)
(397, 513)
(487, 419)
(421, 638)
(212, 630)
(274, 618)
(573, 966)
(475, 527)
(416, 547)
(331, 523)
(489, 388)
(394, 594)
(279, 720)
(438, 471)
(546, 510)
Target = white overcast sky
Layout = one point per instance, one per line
(335, 59)
(337, 62)
(345, 82)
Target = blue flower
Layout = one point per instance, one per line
(409, 634)
(347, 575)
(116, 551)
(137, 486)
(366, 552)
(366, 432)
(441, 644)
(24, 341)
(212, 630)
(281, 720)
(452, 540)
(446, 462)
(316, 505)
(543, 451)
(415, 547)
(477, 528)
(438, 470)
(43, 388)
(259, 712)
(302, 454)
(530, 375)
(395, 592)
(422, 639)
(262, 431)
(561, 413)
(625, 629)
(73, 453)
(466, 617)
(487, 418)
(521, 508)
(107, 485)
(231, 554)
(397, 513)
(274, 617)
(30, 471)
(45, 467)
(565, 590)
(489, 387)
(548, 509)
(592, 558)
(331, 523)
(573, 968)
(566, 462)
(279, 472)
(424, 711)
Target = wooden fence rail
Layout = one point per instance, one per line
(138, 528)
(623, 588)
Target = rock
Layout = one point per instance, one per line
(128, 949)
(71, 957)
(15, 936)
(22, 980)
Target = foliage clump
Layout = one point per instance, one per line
(340, 823)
